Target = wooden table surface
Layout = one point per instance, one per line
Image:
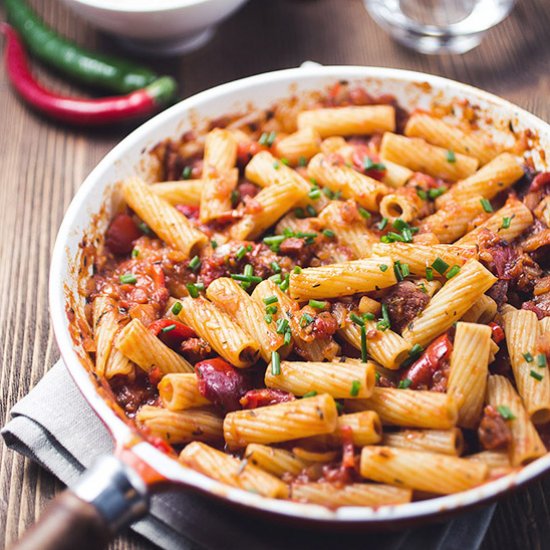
(43, 164)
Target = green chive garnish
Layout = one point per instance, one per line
(144, 228)
(275, 363)
(541, 360)
(271, 138)
(276, 165)
(317, 304)
(135, 253)
(176, 308)
(329, 233)
(276, 267)
(241, 253)
(382, 224)
(528, 357)
(536, 375)
(383, 267)
(268, 318)
(297, 269)
(302, 161)
(270, 300)
(311, 393)
(128, 279)
(306, 320)
(363, 344)
(440, 266)
(505, 412)
(195, 263)
(429, 274)
(355, 387)
(246, 278)
(364, 213)
(214, 244)
(416, 350)
(356, 319)
(192, 289)
(437, 192)
(314, 194)
(405, 270)
(486, 205)
(369, 316)
(282, 326)
(422, 194)
(286, 283)
(186, 174)
(263, 138)
(288, 336)
(453, 271)
(271, 310)
(299, 213)
(386, 315)
(397, 270)
(311, 211)
(168, 328)
(451, 157)
(404, 384)
(285, 161)
(506, 221)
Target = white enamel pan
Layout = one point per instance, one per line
(115, 491)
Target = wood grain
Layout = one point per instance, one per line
(43, 164)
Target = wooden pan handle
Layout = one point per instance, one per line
(106, 498)
(68, 523)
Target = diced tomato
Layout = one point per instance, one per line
(246, 150)
(121, 234)
(498, 333)
(263, 397)
(221, 383)
(155, 376)
(190, 212)
(539, 181)
(172, 337)
(421, 371)
(348, 457)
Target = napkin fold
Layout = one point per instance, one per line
(65, 436)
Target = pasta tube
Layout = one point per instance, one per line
(147, 351)
(348, 121)
(420, 156)
(218, 329)
(277, 462)
(232, 471)
(450, 303)
(177, 427)
(337, 379)
(423, 471)
(344, 279)
(447, 442)
(171, 226)
(179, 192)
(409, 408)
(180, 391)
(405, 204)
(282, 422)
(483, 311)
(469, 370)
(299, 146)
(526, 444)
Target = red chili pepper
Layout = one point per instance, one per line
(263, 397)
(172, 337)
(539, 181)
(422, 370)
(497, 332)
(76, 110)
(121, 234)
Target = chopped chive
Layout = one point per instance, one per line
(440, 266)
(128, 279)
(192, 289)
(363, 344)
(505, 412)
(311, 211)
(276, 165)
(397, 270)
(393, 237)
(299, 213)
(453, 271)
(168, 328)
(405, 270)
(297, 269)
(276, 278)
(200, 286)
(285, 161)
(144, 228)
(275, 363)
(287, 232)
(274, 240)
(364, 213)
(263, 138)
(404, 384)
(486, 205)
(437, 192)
(306, 320)
(451, 157)
(383, 267)
(241, 253)
(329, 233)
(399, 224)
(506, 221)
(268, 318)
(234, 198)
(270, 300)
(287, 338)
(286, 283)
(271, 138)
(407, 235)
(305, 235)
(302, 161)
(135, 253)
(536, 375)
(429, 274)
(282, 326)
(377, 377)
(368, 316)
(214, 244)
(314, 193)
(317, 304)
(422, 194)
(423, 288)
(186, 174)
(276, 267)
(248, 270)
(382, 325)
(382, 224)
(271, 310)
(311, 393)
(176, 308)
(528, 357)
(246, 278)
(416, 350)
(339, 407)
(386, 315)
(356, 319)
(195, 263)
(541, 360)
(355, 387)
(314, 182)
(328, 192)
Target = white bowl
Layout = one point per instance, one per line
(157, 27)
(90, 210)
